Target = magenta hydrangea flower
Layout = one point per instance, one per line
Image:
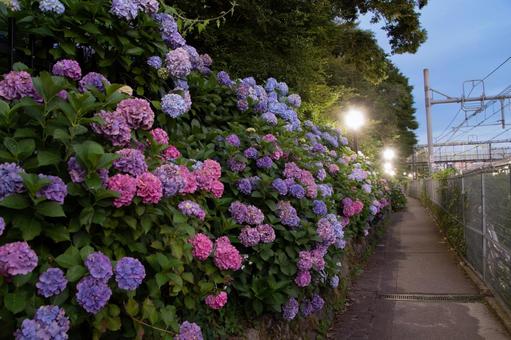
(290, 309)
(93, 79)
(303, 279)
(137, 112)
(50, 322)
(99, 266)
(178, 63)
(92, 294)
(190, 181)
(216, 301)
(67, 68)
(51, 282)
(55, 191)
(126, 186)
(129, 273)
(114, 127)
(160, 136)
(18, 84)
(266, 233)
(149, 188)
(171, 153)
(249, 236)
(189, 331)
(131, 161)
(17, 258)
(190, 208)
(201, 246)
(227, 257)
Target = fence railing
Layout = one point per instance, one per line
(480, 202)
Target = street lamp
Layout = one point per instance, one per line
(389, 154)
(354, 120)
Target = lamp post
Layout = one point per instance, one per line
(354, 120)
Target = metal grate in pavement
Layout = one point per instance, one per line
(432, 297)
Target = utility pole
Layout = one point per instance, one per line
(427, 96)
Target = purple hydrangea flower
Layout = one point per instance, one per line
(358, 175)
(242, 105)
(290, 309)
(266, 233)
(244, 186)
(189, 331)
(149, 6)
(154, 62)
(114, 127)
(234, 140)
(306, 307)
(297, 191)
(67, 68)
(280, 185)
(93, 79)
(55, 191)
(305, 260)
(270, 118)
(245, 213)
(334, 281)
(235, 165)
(92, 294)
(50, 322)
(129, 273)
(282, 88)
(174, 105)
(51, 282)
(75, 170)
(366, 188)
(317, 303)
(224, 79)
(178, 63)
(287, 214)
(319, 208)
(294, 100)
(326, 190)
(303, 279)
(190, 208)
(10, 180)
(249, 236)
(54, 6)
(17, 258)
(99, 266)
(172, 181)
(127, 9)
(18, 84)
(319, 148)
(132, 162)
(2, 225)
(251, 153)
(264, 162)
(321, 174)
(168, 26)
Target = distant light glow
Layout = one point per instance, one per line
(389, 154)
(387, 166)
(354, 119)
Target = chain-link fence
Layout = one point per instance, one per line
(480, 204)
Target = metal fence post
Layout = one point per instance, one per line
(462, 201)
(483, 205)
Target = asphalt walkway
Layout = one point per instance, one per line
(414, 259)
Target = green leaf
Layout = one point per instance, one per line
(161, 279)
(258, 306)
(15, 302)
(48, 158)
(57, 233)
(15, 201)
(75, 273)
(30, 227)
(131, 307)
(149, 311)
(168, 315)
(135, 51)
(70, 258)
(50, 209)
(90, 28)
(187, 277)
(25, 148)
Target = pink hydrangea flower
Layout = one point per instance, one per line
(333, 169)
(269, 138)
(303, 279)
(160, 136)
(201, 246)
(149, 188)
(217, 189)
(17, 258)
(277, 154)
(137, 112)
(216, 301)
(190, 182)
(125, 185)
(227, 257)
(209, 172)
(171, 153)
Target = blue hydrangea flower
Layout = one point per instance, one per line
(294, 100)
(55, 191)
(319, 208)
(297, 191)
(54, 6)
(154, 62)
(271, 84)
(269, 118)
(129, 273)
(50, 322)
(127, 9)
(224, 79)
(251, 153)
(99, 266)
(264, 162)
(174, 105)
(10, 180)
(280, 185)
(92, 294)
(51, 282)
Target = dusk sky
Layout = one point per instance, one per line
(467, 39)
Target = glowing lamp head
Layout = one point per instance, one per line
(389, 154)
(354, 119)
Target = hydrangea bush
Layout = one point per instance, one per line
(172, 217)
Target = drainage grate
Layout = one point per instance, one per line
(432, 297)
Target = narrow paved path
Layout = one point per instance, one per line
(414, 259)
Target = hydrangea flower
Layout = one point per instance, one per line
(55, 191)
(190, 208)
(126, 186)
(227, 257)
(51, 282)
(127, 9)
(325, 231)
(149, 6)
(294, 100)
(249, 236)
(129, 273)
(154, 62)
(305, 260)
(244, 186)
(114, 127)
(10, 180)
(189, 331)
(290, 309)
(18, 84)
(54, 6)
(245, 213)
(358, 175)
(171, 180)
(92, 294)
(280, 185)
(266, 233)
(17, 258)
(93, 79)
(233, 140)
(264, 162)
(235, 165)
(174, 105)
(287, 214)
(224, 79)
(297, 191)
(137, 112)
(303, 279)
(317, 303)
(251, 153)
(67, 68)
(149, 188)
(269, 118)
(75, 170)
(99, 266)
(334, 281)
(171, 153)
(160, 136)
(366, 188)
(50, 322)
(326, 190)
(201, 246)
(319, 208)
(178, 63)
(216, 301)
(131, 162)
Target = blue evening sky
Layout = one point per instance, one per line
(466, 40)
